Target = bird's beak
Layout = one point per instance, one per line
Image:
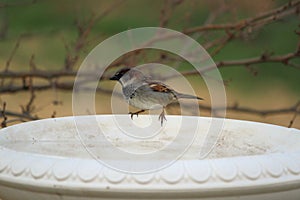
(113, 78)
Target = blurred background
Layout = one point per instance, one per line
(255, 45)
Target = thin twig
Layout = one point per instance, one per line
(29, 107)
(53, 114)
(7, 65)
(32, 64)
(222, 43)
(84, 29)
(3, 114)
(295, 115)
(247, 110)
(12, 54)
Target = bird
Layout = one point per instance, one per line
(145, 94)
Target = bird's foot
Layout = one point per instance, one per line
(135, 113)
(162, 117)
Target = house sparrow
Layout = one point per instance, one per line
(141, 92)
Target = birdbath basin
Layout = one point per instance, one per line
(47, 159)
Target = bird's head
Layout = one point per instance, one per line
(119, 74)
(128, 75)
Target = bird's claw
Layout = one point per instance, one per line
(132, 114)
(162, 117)
(135, 113)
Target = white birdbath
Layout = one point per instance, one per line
(46, 160)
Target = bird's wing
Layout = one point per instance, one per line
(163, 88)
(160, 87)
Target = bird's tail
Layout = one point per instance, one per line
(187, 96)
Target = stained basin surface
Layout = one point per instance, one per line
(48, 159)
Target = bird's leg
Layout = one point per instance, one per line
(135, 113)
(162, 116)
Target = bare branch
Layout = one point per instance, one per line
(45, 74)
(285, 59)
(260, 19)
(264, 58)
(263, 113)
(247, 110)
(25, 117)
